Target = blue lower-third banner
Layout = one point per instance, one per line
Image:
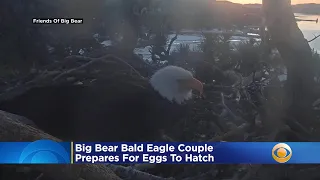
(50, 152)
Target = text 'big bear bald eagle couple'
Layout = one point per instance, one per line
(92, 113)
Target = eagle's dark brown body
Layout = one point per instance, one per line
(99, 112)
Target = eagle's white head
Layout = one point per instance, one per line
(175, 83)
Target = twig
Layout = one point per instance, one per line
(14, 91)
(241, 129)
(170, 44)
(236, 118)
(39, 177)
(315, 37)
(94, 60)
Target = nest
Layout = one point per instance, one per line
(75, 70)
(225, 114)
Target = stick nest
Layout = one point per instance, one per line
(227, 113)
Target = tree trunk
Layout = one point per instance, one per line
(297, 55)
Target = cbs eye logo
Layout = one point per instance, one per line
(281, 153)
(43, 152)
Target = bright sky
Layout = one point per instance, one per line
(259, 1)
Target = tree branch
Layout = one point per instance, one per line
(11, 129)
(170, 44)
(315, 37)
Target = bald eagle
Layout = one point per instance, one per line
(108, 110)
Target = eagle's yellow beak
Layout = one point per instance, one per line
(196, 85)
(193, 83)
